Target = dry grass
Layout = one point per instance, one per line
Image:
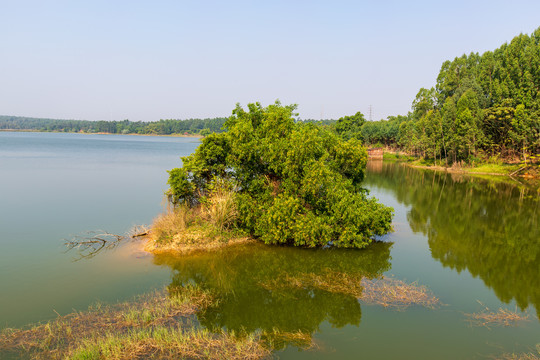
(501, 317)
(386, 291)
(533, 355)
(165, 226)
(220, 209)
(208, 226)
(152, 326)
(397, 294)
(526, 356)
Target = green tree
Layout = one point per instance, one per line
(295, 183)
(349, 126)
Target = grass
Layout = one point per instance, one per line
(489, 166)
(208, 226)
(525, 356)
(533, 355)
(504, 169)
(152, 326)
(167, 343)
(397, 157)
(385, 291)
(397, 294)
(501, 317)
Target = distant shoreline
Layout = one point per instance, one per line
(102, 133)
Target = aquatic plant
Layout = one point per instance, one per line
(394, 293)
(501, 317)
(156, 325)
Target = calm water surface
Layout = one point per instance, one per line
(468, 240)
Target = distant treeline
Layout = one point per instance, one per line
(482, 105)
(161, 127)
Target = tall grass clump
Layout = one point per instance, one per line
(209, 224)
(220, 208)
(168, 224)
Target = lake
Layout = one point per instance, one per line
(473, 242)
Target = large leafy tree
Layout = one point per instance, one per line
(294, 183)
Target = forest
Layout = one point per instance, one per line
(481, 106)
(161, 127)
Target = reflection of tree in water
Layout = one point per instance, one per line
(240, 276)
(490, 228)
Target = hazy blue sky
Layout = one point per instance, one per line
(146, 60)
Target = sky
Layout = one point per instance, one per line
(151, 60)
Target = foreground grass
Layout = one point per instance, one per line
(152, 326)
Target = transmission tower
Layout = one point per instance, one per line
(370, 113)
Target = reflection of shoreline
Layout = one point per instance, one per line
(375, 165)
(488, 227)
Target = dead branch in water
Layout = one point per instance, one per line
(93, 242)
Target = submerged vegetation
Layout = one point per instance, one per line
(158, 325)
(533, 355)
(393, 293)
(284, 182)
(386, 291)
(501, 317)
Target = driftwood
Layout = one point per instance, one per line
(93, 242)
(519, 170)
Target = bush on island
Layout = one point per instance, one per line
(293, 183)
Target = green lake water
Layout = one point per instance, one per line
(468, 240)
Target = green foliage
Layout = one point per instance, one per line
(349, 126)
(481, 105)
(296, 183)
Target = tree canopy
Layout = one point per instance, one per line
(294, 183)
(482, 105)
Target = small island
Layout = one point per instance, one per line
(273, 179)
